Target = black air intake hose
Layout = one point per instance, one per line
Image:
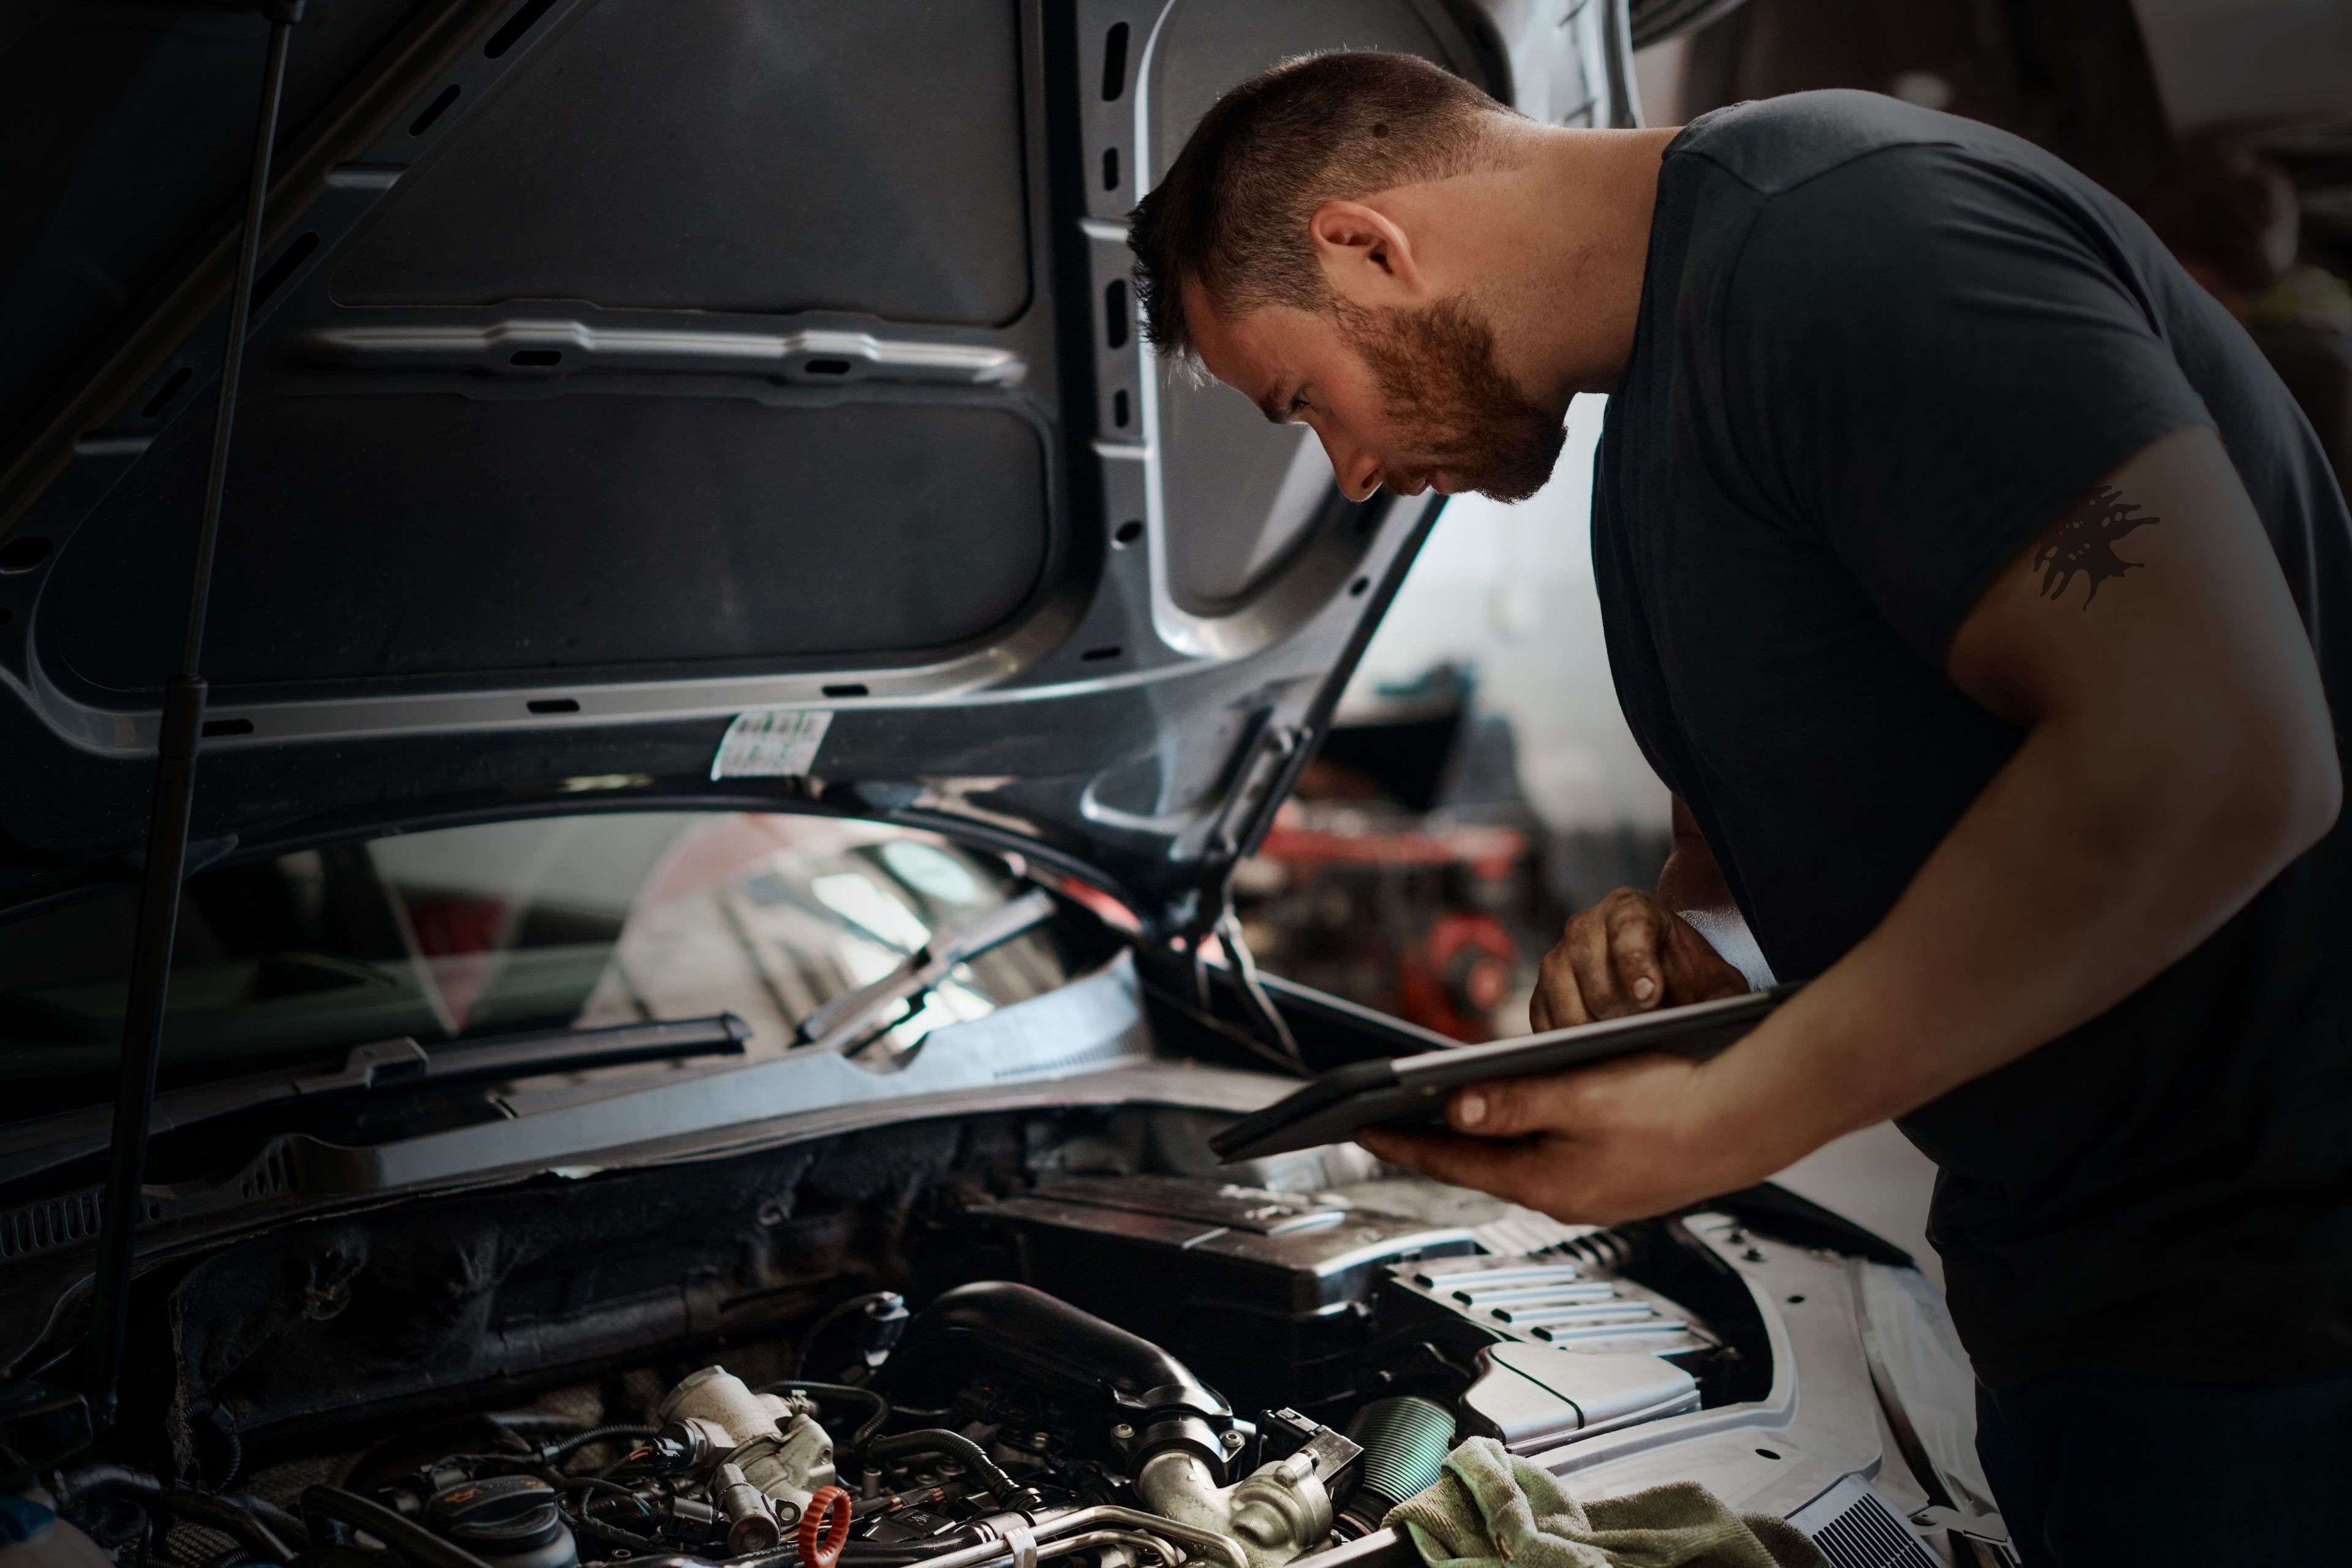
(1027, 1331)
(1140, 1387)
(1405, 1440)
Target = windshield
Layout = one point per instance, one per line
(571, 921)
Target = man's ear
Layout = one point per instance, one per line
(1367, 259)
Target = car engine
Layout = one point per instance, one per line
(1063, 1433)
(992, 1341)
(1183, 1370)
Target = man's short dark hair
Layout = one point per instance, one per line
(1232, 215)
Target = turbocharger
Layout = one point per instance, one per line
(777, 1447)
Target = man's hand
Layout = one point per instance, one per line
(2178, 752)
(1628, 953)
(1625, 1138)
(1617, 1141)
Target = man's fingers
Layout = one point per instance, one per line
(1504, 1170)
(1635, 926)
(1588, 956)
(1512, 1107)
(1626, 954)
(1556, 988)
(1614, 949)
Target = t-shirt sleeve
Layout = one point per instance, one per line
(1925, 358)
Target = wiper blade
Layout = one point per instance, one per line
(847, 1020)
(31, 1147)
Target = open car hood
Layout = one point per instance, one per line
(622, 368)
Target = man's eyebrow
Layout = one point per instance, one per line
(1275, 407)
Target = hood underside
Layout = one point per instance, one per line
(620, 368)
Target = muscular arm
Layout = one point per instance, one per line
(2178, 752)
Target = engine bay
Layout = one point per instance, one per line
(1045, 1344)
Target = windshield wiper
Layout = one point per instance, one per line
(847, 1020)
(31, 1147)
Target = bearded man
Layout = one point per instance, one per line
(1980, 593)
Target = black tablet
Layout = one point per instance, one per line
(1409, 1091)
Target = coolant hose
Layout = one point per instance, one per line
(877, 1407)
(410, 1540)
(594, 1435)
(289, 1527)
(1405, 1441)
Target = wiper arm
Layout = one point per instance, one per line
(30, 1147)
(847, 1020)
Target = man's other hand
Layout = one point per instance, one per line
(1628, 953)
(1616, 1140)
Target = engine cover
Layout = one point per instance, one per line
(1250, 1285)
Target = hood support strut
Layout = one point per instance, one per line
(167, 824)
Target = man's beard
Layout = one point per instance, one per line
(1451, 401)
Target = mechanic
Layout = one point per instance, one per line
(1978, 590)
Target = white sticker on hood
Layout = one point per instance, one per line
(771, 742)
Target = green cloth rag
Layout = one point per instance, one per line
(1487, 1508)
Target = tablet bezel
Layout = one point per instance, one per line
(1334, 1106)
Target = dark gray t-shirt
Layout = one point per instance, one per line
(1879, 351)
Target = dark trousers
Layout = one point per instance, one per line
(2093, 1469)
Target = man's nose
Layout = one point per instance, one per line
(1357, 470)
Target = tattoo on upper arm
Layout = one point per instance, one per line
(2084, 540)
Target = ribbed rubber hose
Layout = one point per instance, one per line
(1405, 1441)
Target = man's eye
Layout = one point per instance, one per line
(1299, 405)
